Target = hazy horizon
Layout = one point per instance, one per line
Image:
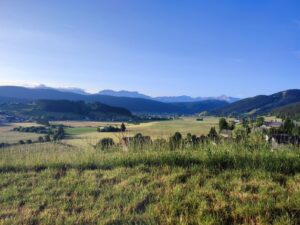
(238, 49)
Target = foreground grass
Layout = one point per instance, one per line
(226, 184)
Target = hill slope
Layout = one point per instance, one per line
(65, 110)
(261, 104)
(292, 111)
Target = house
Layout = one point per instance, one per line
(237, 121)
(271, 124)
(282, 139)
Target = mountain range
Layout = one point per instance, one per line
(280, 103)
(135, 105)
(167, 99)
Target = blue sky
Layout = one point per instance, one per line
(198, 48)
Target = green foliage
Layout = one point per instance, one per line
(106, 143)
(59, 134)
(260, 121)
(213, 133)
(108, 129)
(223, 125)
(47, 138)
(288, 126)
(34, 129)
(289, 111)
(123, 127)
(241, 133)
(40, 139)
(175, 141)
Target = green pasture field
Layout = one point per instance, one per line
(85, 132)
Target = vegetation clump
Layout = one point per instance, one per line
(106, 143)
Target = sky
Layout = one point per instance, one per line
(157, 47)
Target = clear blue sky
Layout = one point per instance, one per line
(199, 48)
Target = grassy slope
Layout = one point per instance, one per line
(226, 184)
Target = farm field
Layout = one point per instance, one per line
(11, 137)
(86, 133)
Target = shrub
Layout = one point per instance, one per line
(47, 138)
(123, 127)
(175, 141)
(212, 133)
(29, 141)
(109, 129)
(40, 139)
(106, 143)
(160, 144)
(139, 141)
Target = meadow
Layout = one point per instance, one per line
(72, 182)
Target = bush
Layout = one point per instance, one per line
(29, 141)
(47, 138)
(139, 141)
(106, 143)
(59, 134)
(21, 142)
(160, 144)
(41, 139)
(108, 129)
(175, 141)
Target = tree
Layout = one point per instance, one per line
(40, 139)
(241, 133)
(260, 121)
(288, 126)
(123, 127)
(212, 133)
(47, 138)
(59, 134)
(296, 131)
(231, 125)
(175, 141)
(245, 122)
(106, 143)
(223, 125)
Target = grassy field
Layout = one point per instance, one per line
(11, 137)
(71, 182)
(59, 184)
(85, 133)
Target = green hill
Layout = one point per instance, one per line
(66, 110)
(291, 111)
(260, 105)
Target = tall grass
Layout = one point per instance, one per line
(210, 156)
(227, 183)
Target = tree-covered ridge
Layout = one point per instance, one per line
(64, 110)
(262, 104)
(290, 111)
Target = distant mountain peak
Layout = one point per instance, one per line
(166, 99)
(123, 93)
(63, 89)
